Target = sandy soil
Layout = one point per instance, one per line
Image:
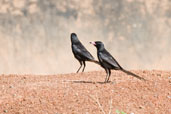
(84, 93)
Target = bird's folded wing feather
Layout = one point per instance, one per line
(107, 58)
(82, 51)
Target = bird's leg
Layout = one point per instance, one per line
(80, 66)
(109, 75)
(106, 75)
(84, 65)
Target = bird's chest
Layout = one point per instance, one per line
(76, 51)
(100, 59)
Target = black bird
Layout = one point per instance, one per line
(108, 62)
(80, 52)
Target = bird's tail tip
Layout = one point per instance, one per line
(95, 61)
(135, 75)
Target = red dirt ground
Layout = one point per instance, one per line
(84, 93)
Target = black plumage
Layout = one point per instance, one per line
(80, 52)
(108, 62)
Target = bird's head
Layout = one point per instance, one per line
(98, 44)
(74, 38)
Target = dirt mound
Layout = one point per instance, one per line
(85, 93)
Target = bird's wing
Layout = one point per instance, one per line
(80, 50)
(107, 58)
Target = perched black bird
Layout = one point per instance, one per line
(108, 62)
(80, 52)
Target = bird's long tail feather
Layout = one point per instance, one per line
(130, 73)
(94, 61)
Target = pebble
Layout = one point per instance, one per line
(158, 74)
(10, 86)
(14, 95)
(5, 111)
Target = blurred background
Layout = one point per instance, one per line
(35, 34)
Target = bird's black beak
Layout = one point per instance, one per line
(93, 43)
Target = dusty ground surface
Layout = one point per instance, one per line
(84, 93)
